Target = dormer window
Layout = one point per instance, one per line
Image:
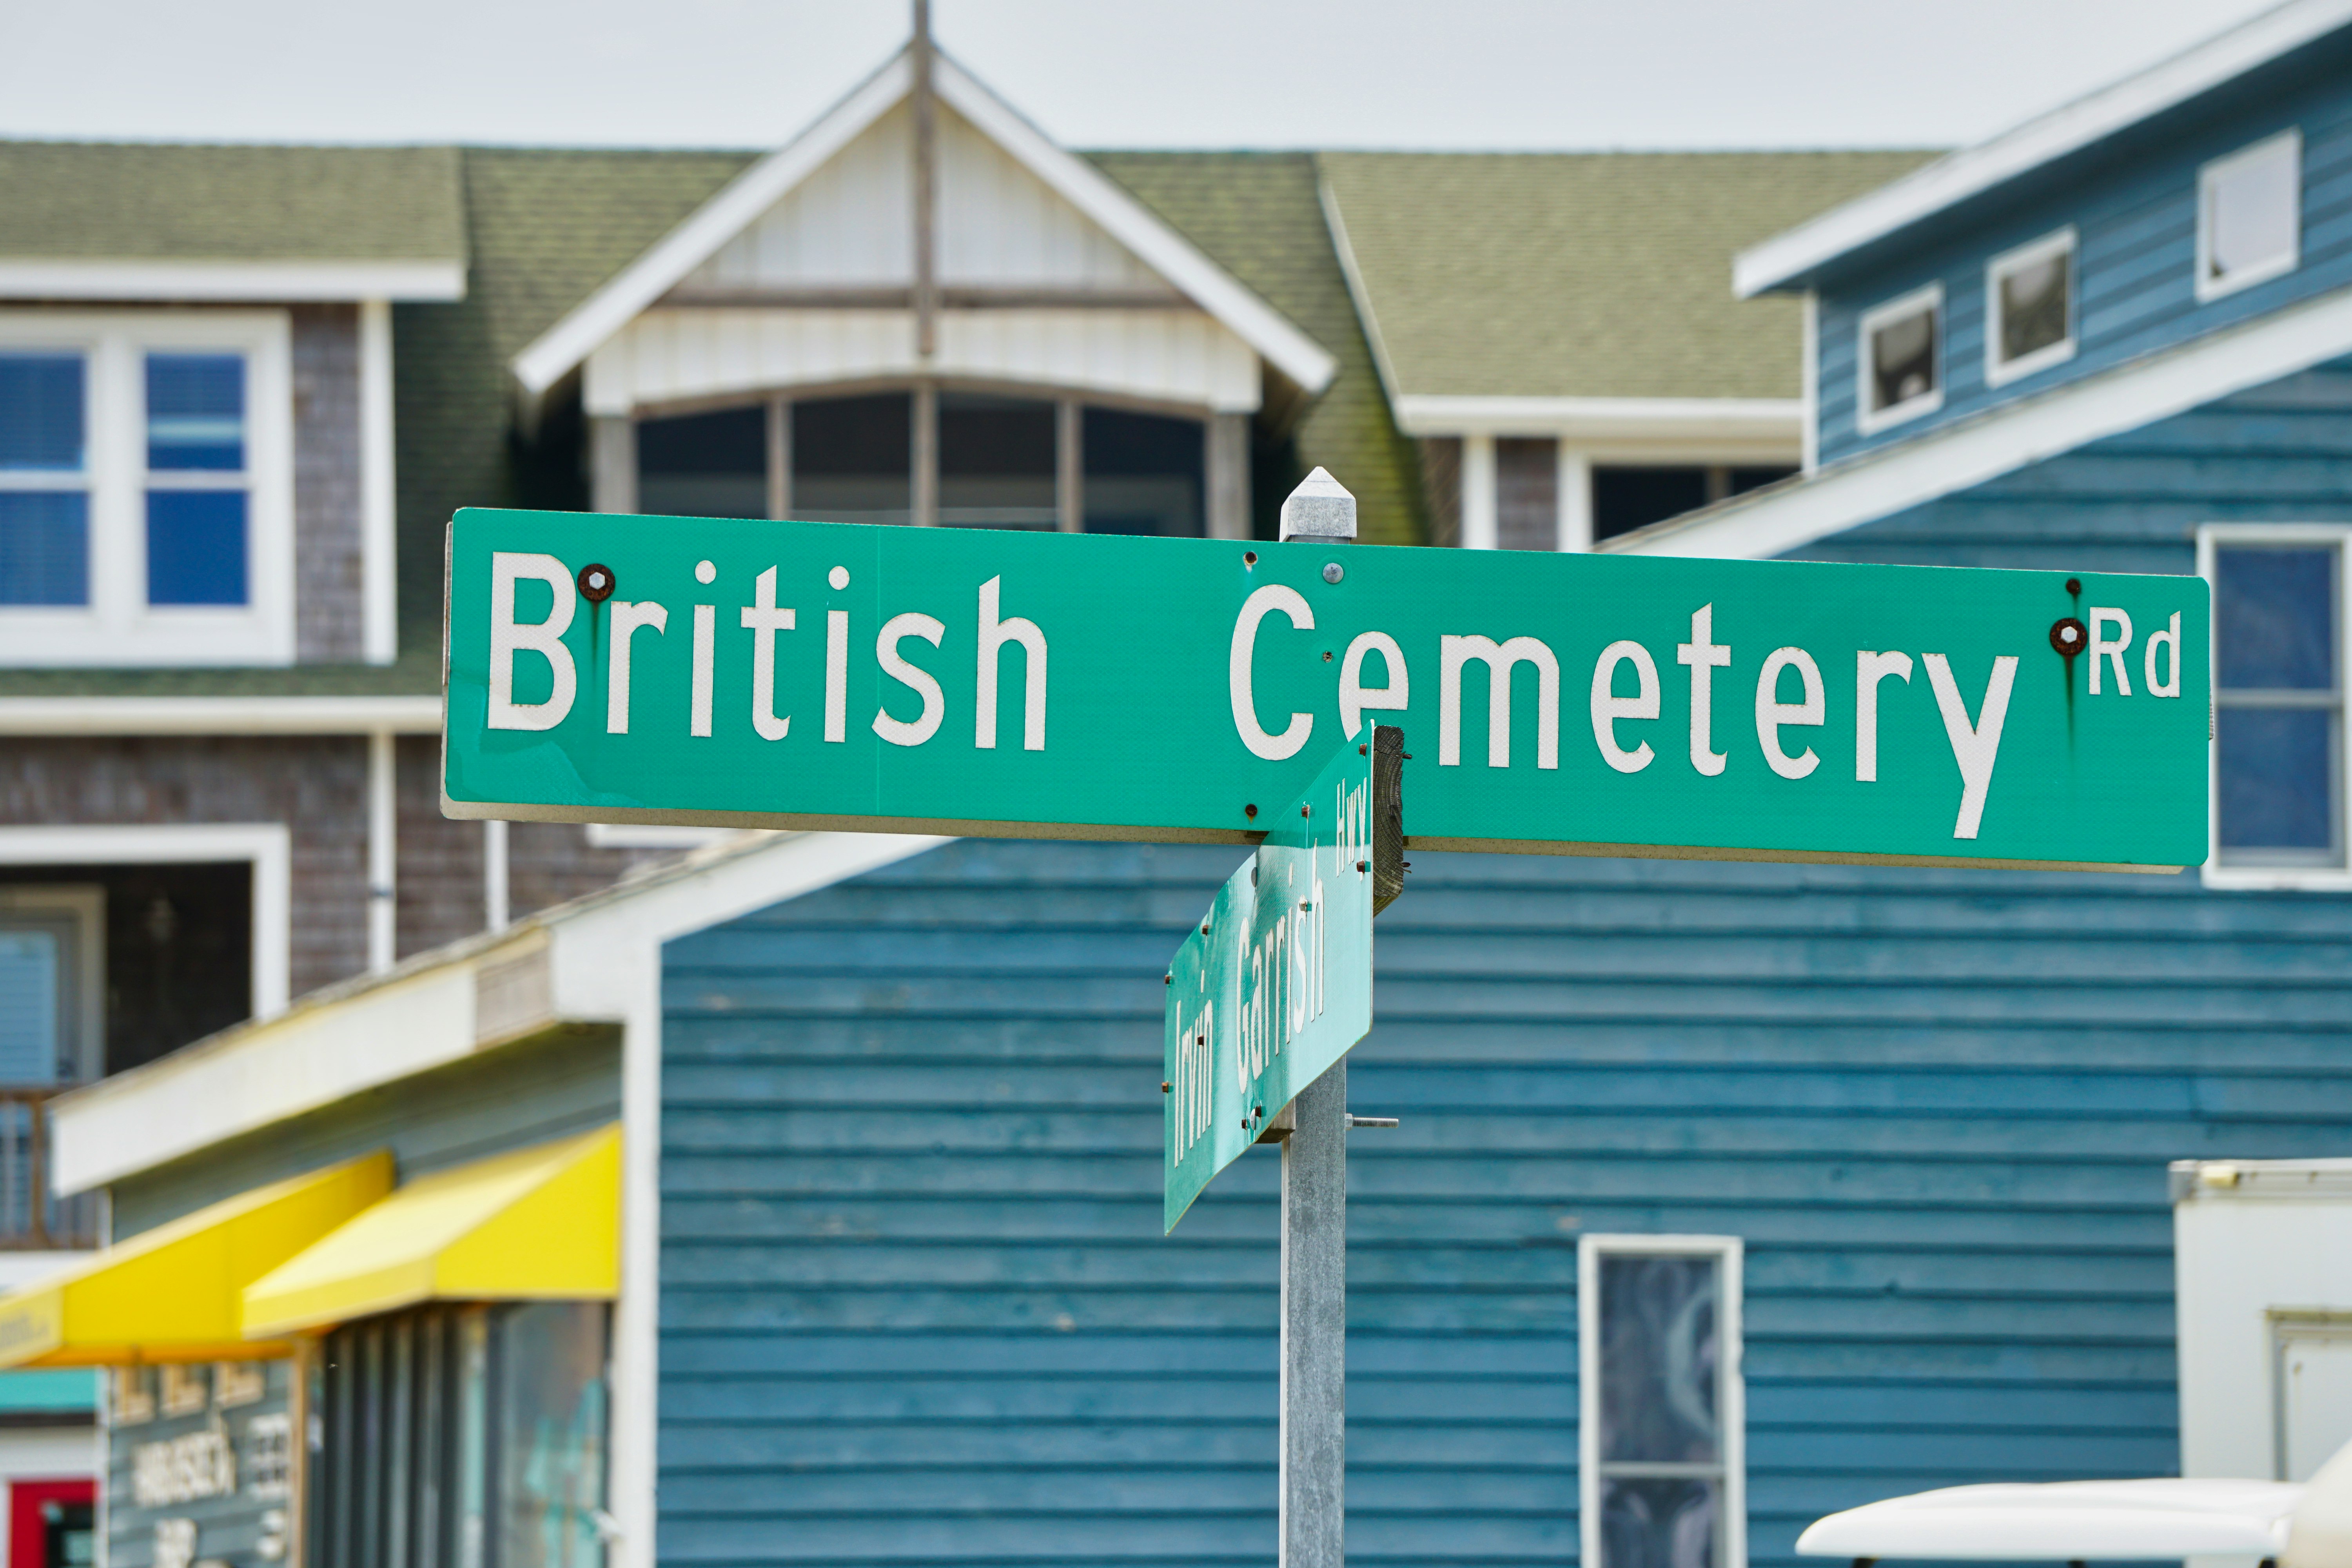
(2030, 308)
(1902, 343)
(2249, 216)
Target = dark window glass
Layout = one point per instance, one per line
(2274, 618)
(853, 459)
(41, 412)
(69, 1535)
(2278, 780)
(1658, 1359)
(2034, 309)
(1142, 473)
(996, 462)
(1624, 498)
(195, 547)
(1746, 479)
(1902, 359)
(550, 1461)
(195, 411)
(44, 547)
(1659, 1521)
(704, 465)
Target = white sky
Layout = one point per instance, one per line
(1092, 73)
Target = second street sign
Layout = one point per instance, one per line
(809, 675)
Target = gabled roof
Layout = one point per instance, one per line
(1535, 275)
(560, 350)
(1787, 260)
(116, 220)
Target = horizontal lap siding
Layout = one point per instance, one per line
(916, 1309)
(2135, 213)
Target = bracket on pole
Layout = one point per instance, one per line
(1388, 815)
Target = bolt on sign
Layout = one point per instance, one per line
(809, 675)
(1276, 982)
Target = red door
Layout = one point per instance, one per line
(42, 1516)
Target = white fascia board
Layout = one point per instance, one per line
(1352, 270)
(1153, 242)
(1787, 257)
(270, 282)
(404, 715)
(1602, 420)
(373, 1030)
(559, 350)
(1972, 451)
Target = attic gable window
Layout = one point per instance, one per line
(2249, 216)
(2030, 308)
(1902, 374)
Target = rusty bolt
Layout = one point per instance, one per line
(2073, 585)
(596, 582)
(2068, 636)
(1249, 810)
(1165, 1088)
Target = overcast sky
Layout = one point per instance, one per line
(1093, 73)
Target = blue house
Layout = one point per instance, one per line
(1725, 1195)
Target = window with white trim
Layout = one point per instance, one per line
(2030, 308)
(2279, 809)
(1661, 1429)
(2249, 216)
(146, 488)
(1901, 362)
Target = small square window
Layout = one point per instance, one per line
(1902, 342)
(2278, 722)
(2249, 216)
(2030, 308)
(195, 547)
(195, 411)
(42, 414)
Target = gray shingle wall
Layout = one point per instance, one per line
(327, 591)
(438, 891)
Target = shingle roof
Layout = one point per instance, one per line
(1583, 275)
(121, 201)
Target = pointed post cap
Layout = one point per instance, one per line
(1320, 508)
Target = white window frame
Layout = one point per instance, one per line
(1998, 371)
(266, 847)
(1731, 1396)
(85, 906)
(2210, 538)
(117, 627)
(1869, 421)
(2209, 288)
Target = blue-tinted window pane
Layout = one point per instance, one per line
(44, 547)
(40, 411)
(1656, 1522)
(196, 411)
(195, 547)
(2274, 619)
(1658, 1359)
(2277, 767)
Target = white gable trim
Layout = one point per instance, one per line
(1785, 259)
(1772, 521)
(264, 282)
(1776, 421)
(570, 340)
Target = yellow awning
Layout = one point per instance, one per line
(175, 1293)
(539, 1223)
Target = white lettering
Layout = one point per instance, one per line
(1453, 653)
(1771, 712)
(706, 642)
(1869, 669)
(544, 638)
(993, 635)
(1704, 655)
(1974, 747)
(1273, 596)
(2112, 650)
(886, 650)
(1353, 698)
(836, 675)
(763, 621)
(628, 619)
(2169, 640)
(1608, 708)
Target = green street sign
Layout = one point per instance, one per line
(1276, 984)
(813, 675)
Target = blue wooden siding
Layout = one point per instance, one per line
(2280, 453)
(2134, 207)
(916, 1308)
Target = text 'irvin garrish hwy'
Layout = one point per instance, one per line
(1975, 737)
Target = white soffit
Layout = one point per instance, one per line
(402, 715)
(426, 1013)
(1605, 419)
(271, 282)
(742, 204)
(1785, 259)
(1877, 484)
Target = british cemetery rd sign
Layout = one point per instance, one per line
(808, 674)
(1275, 984)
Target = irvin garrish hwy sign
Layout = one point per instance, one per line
(618, 668)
